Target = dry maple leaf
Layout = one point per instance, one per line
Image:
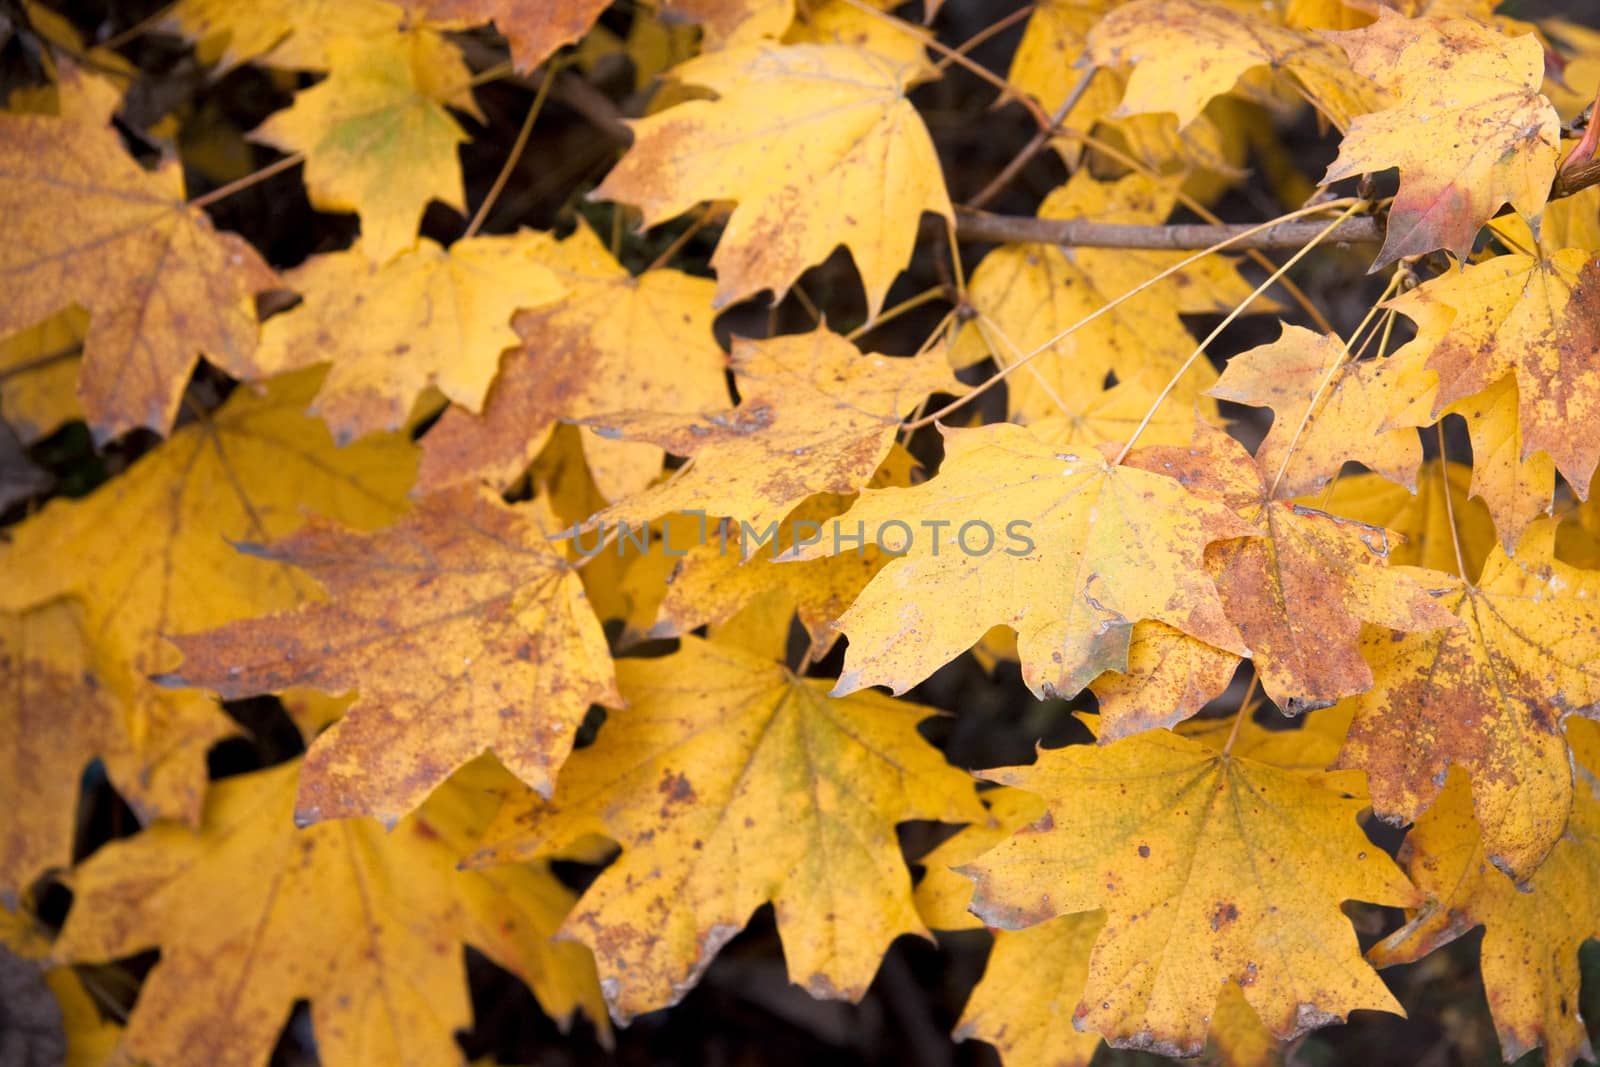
(534, 30)
(1488, 696)
(1300, 591)
(1212, 867)
(292, 34)
(1529, 953)
(1169, 677)
(252, 914)
(149, 554)
(377, 138)
(91, 227)
(729, 783)
(429, 316)
(815, 415)
(1534, 318)
(39, 376)
(54, 718)
(596, 350)
(1064, 547)
(1185, 52)
(1420, 522)
(817, 144)
(1027, 295)
(1048, 64)
(1326, 411)
(461, 628)
(713, 582)
(1491, 139)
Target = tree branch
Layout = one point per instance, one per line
(1084, 233)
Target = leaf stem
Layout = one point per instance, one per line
(1449, 505)
(1007, 90)
(222, 192)
(1218, 246)
(1032, 148)
(517, 148)
(1172, 382)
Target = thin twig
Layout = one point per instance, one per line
(222, 192)
(1172, 383)
(1086, 233)
(1106, 308)
(1032, 148)
(515, 154)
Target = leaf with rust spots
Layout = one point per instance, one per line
(1211, 868)
(1469, 129)
(377, 138)
(150, 554)
(1529, 953)
(597, 350)
(428, 317)
(815, 415)
(290, 34)
(817, 144)
(715, 581)
(729, 783)
(88, 226)
(1300, 592)
(461, 628)
(251, 914)
(1076, 552)
(1418, 522)
(534, 30)
(1488, 696)
(1326, 411)
(1169, 677)
(1025, 295)
(55, 716)
(1537, 319)
(1185, 52)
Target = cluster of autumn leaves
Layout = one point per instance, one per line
(1432, 624)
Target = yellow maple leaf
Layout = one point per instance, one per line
(252, 914)
(817, 144)
(1212, 867)
(150, 555)
(592, 352)
(1185, 52)
(1169, 677)
(729, 783)
(1493, 138)
(461, 629)
(429, 316)
(1488, 696)
(91, 227)
(1064, 547)
(39, 375)
(1529, 954)
(377, 138)
(1027, 295)
(1309, 443)
(1047, 65)
(1536, 318)
(730, 23)
(293, 34)
(1420, 521)
(713, 581)
(54, 718)
(815, 415)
